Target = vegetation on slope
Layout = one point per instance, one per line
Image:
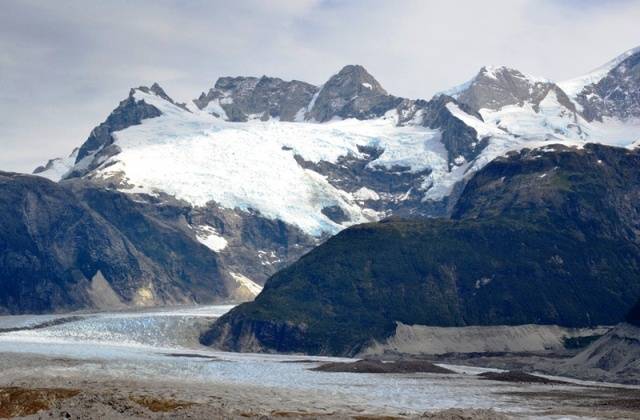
(545, 236)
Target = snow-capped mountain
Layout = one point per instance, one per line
(267, 168)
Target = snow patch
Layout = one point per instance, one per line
(214, 108)
(364, 194)
(59, 167)
(210, 238)
(483, 129)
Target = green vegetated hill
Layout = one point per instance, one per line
(546, 236)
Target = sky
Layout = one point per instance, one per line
(65, 64)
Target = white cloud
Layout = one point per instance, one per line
(66, 64)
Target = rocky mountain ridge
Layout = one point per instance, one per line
(265, 169)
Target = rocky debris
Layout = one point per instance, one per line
(378, 366)
(518, 377)
(588, 401)
(465, 414)
(481, 339)
(47, 324)
(157, 405)
(62, 403)
(613, 357)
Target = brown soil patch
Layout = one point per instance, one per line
(16, 401)
(160, 405)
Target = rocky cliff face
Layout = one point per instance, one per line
(496, 87)
(616, 95)
(99, 146)
(244, 98)
(352, 93)
(75, 245)
(532, 240)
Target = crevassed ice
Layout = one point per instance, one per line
(199, 158)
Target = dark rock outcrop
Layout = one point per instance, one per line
(352, 93)
(75, 245)
(377, 366)
(129, 112)
(615, 95)
(494, 88)
(269, 97)
(458, 138)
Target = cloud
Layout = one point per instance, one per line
(64, 65)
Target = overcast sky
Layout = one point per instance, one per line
(64, 65)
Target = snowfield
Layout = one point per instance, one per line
(199, 158)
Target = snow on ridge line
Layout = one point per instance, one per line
(482, 129)
(574, 86)
(493, 71)
(59, 167)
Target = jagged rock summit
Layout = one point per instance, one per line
(351, 93)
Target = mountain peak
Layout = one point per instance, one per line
(237, 82)
(502, 73)
(155, 89)
(351, 93)
(494, 87)
(356, 77)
